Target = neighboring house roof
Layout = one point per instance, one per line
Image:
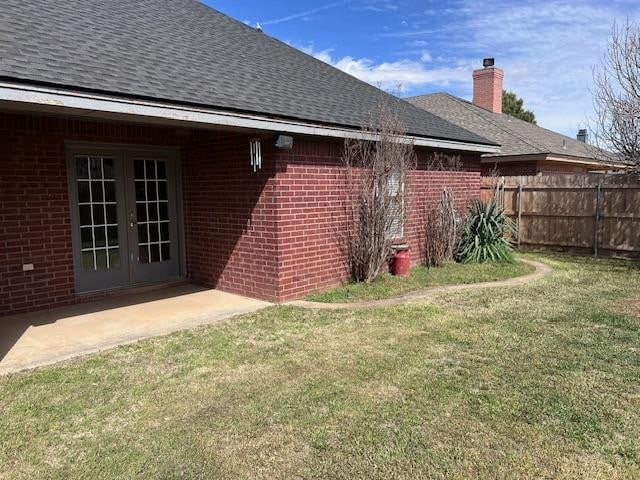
(515, 136)
(184, 52)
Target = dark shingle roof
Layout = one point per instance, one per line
(185, 52)
(515, 136)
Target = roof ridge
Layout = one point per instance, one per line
(511, 117)
(517, 129)
(470, 106)
(547, 129)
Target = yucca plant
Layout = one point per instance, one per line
(486, 234)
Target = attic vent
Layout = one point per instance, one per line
(255, 154)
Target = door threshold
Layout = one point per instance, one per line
(130, 290)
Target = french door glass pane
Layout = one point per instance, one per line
(96, 185)
(152, 209)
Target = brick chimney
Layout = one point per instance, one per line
(487, 86)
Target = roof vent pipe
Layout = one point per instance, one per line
(582, 135)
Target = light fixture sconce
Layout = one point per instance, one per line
(256, 154)
(284, 141)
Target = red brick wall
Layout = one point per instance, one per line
(533, 167)
(311, 191)
(230, 216)
(560, 167)
(507, 169)
(229, 211)
(270, 234)
(426, 191)
(35, 225)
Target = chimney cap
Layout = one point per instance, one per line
(488, 62)
(582, 135)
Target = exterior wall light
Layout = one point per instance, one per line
(284, 141)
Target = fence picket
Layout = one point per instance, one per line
(596, 213)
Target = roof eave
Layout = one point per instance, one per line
(553, 158)
(88, 103)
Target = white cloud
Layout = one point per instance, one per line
(425, 57)
(304, 15)
(546, 49)
(401, 75)
(379, 6)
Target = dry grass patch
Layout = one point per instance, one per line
(534, 381)
(631, 306)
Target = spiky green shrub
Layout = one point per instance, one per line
(486, 234)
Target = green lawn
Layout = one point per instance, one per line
(533, 381)
(387, 285)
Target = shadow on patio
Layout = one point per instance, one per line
(46, 337)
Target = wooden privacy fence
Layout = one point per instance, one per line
(579, 212)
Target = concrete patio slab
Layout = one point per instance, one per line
(42, 338)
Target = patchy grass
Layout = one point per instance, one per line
(631, 306)
(387, 286)
(533, 381)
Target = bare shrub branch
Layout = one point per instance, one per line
(444, 162)
(616, 96)
(376, 200)
(442, 231)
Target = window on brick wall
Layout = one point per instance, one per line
(395, 224)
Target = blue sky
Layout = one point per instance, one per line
(546, 47)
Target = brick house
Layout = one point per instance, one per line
(526, 149)
(147, 143)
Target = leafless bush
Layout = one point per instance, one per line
(444, 162)
(616, 126)
(439, 233)
(376, 167)
(496, 181)
(442, 229)
(494, 173)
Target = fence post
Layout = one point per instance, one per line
(519, 212)
(597, 221)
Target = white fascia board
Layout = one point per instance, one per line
(587, 161)
(552, 158)
(27, 94)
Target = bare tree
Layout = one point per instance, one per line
(616, 126)
(376, 170)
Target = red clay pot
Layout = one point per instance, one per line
(401, 263)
